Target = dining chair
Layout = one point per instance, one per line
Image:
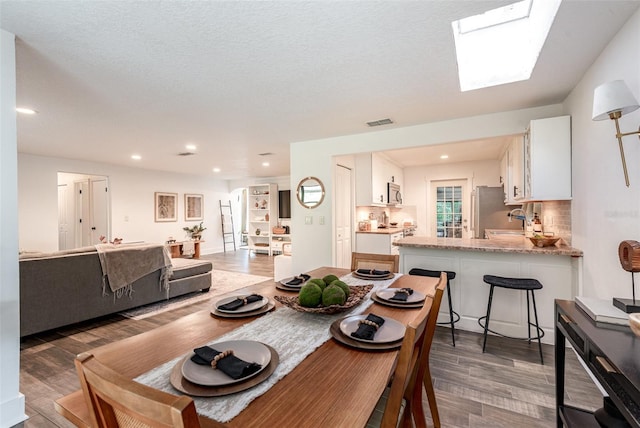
(423, 373)
(399, 400)
(116, 401)
(390, 262)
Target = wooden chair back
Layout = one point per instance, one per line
(407, 366)
(116, 401)
(423, 372)
(390, 262)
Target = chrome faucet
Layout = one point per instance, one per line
(523, 215)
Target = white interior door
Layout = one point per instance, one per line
(343, 216)
(99, 209)
(65, 219)
(449, 209)
(82, 213)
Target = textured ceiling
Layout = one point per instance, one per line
(113, 78)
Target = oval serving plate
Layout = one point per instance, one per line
(247, 350)
(253, 306)
(390, 331)
(388, 293)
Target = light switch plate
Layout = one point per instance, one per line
(308, 220)
(321, 219)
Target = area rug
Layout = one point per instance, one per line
(222, 282)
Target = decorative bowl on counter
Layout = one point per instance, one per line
(543, 241)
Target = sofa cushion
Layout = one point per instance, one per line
(183, 268)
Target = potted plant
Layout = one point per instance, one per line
(195, 231)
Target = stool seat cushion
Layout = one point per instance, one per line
(432, 273)
(514, 283)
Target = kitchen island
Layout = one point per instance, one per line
(379, 240)
(558, 268)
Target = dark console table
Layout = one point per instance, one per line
(612, 353)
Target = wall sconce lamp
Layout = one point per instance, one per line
(613, 100)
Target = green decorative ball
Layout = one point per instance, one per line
(342, 285)
(329, 279)
(319, 282)
(333, 295)
(310, 295)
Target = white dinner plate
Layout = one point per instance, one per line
(388, 293)
(247, 350)
(253, 306)
(284, 282)
(390, 331)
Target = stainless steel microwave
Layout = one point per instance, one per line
(394, 197)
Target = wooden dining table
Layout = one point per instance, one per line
(335, 386)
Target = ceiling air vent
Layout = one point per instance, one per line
(380, 122)
(186, 154)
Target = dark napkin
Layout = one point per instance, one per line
(373, 272)
(303, 277)
(402, 294)
(238, 303)
(230, 365)
(366, 331)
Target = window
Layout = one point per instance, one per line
(502, 45)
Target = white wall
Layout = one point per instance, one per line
(418, 180)
(315, 158)
(132, 202)
(11, 400)
(604, 211)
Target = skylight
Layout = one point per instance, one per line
(502, 45)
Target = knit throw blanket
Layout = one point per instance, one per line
(122, 264)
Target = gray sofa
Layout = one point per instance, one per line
(66, 287)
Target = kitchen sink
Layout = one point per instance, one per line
(507, 232)
(503, 233)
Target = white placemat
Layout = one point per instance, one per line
(294, 335)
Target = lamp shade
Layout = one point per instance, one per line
(612, 97)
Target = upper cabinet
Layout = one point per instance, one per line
(547, 159)
(373, 172)
(537, 166)
(512, 171)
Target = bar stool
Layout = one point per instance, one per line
(450, 276)
(529, 285)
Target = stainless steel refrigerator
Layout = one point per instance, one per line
(490, 212)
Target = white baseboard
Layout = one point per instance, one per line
(12, 411)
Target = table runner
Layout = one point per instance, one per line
(294, 335)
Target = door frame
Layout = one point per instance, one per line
(465, 198)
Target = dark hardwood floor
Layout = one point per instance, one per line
(504, 387)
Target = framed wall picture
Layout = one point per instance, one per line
(193, 207)
(166, 206)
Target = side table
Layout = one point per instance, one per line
(612, 354)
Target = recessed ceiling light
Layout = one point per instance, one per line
(190, 147)
(265, 163)
(136, 157)
(25, 110)
(444, 157)
(216, 169)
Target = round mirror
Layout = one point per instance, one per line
(310, 192)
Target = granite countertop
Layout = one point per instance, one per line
(383, 231)
(511, 244)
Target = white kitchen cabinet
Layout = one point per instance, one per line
(377, 243)
(262, 207)
(512, 171)
(373, 172)
(547, 159)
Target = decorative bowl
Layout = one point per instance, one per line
(357, 295)
(543, 241)
(634, 323)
